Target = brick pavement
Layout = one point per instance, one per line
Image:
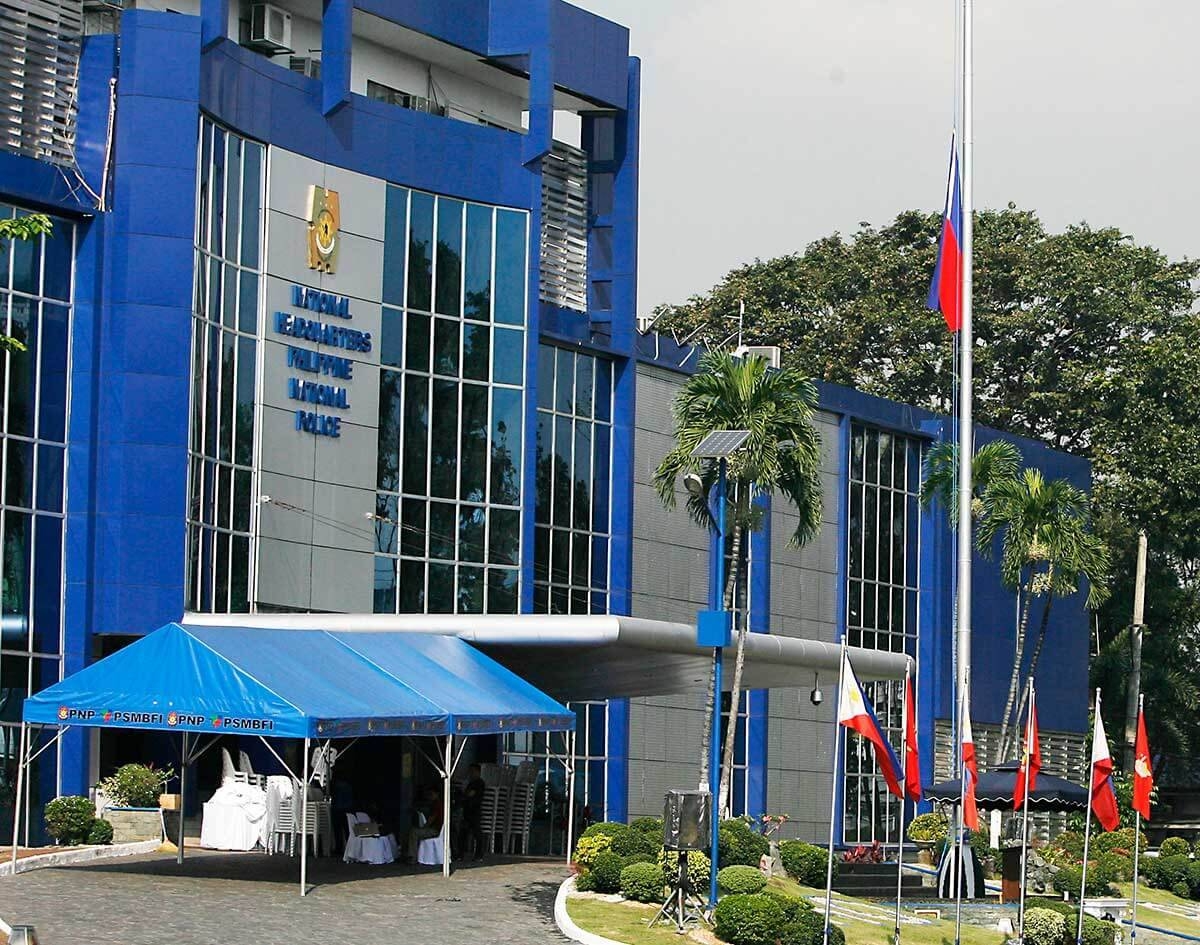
(217, 898)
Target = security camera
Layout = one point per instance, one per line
(816, 697)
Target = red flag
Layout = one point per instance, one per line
(856, 714)
(945, 291)
(1104, 797)
(1143, 774)
(1032, 757)
(912, 757)
(970, 772)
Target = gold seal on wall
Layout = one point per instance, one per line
(324, 220)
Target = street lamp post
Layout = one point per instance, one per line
(713, 625)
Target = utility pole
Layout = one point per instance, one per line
(1135, 663)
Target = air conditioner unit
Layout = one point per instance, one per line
(306, 66)
(270, 28)
(769, 353)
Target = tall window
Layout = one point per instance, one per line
(574, 451)
(451, 402)
(35, 308)
(224, 350)
(881, 605)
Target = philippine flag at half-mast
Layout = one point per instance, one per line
(1104, 797)
(1032, 757)
(856, 714)
(945, 291)
(912, 751)
(970, 772)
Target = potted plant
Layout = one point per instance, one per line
(928, 832)
(132, 794)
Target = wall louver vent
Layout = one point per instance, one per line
(564, 228)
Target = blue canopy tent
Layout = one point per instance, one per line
(301, 684)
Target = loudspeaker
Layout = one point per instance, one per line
(687, 820)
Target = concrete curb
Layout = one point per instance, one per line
(567, 926)
(70, 856)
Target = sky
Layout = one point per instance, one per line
(769, 123)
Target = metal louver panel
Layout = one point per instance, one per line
(564, 228)
(39, 63)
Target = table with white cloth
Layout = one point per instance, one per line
(234, 818)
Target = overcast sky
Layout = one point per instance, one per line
(769, 123)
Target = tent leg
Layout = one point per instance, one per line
(28, 780)
(304, 824)
(568, 843)
(21, 752)
(183, 766)
(449, 764)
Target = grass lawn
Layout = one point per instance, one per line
(1160, 917)
(623, 922)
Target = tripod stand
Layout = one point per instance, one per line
(682, 905)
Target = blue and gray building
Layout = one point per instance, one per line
(339, 315)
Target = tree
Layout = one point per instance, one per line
(991, 463)
(782, 455)
(28, 227)
(1047, 550)
(1085, 339)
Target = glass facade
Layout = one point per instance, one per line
(881, 606)
(225, 327)
(574, 462)
(35, 309)
(451, 406)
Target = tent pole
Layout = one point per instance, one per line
(21, 750)
(304, 824)
(568, 844)
(30, 762)
(446, 806)
(183, 766)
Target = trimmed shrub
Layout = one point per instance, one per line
(808, 928)
(605, 828)
(1195, 850)
(1163, 872)
(588, 848)
(740, 879)
(1044, 927)
(1116, 865)
(804, 862)
(1182, 890)
(1122, 840)
(1065, 909)
(698, 868)
(738, 844)
(69, 819)
(650, 825)
(929, 828)
(1095, 931)
(631, 842)
(793, 906)
(638, 858)
(748, 920)
(585, 882)
(136, 785)
(1068, 879)
(643, 882)
(101, 832)
(606, 872)
(1193, 878)
(1175, 846)
(1070, 842)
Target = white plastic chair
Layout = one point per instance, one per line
(431, 852)
(228, 771)
(376, 850)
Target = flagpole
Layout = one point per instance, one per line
(904, 707)
(1087, 837)
(1025, 801)
(1137, 840)
(962, 804)
(837, 744)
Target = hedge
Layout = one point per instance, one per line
(738, 844)
(643, 882)
(748, 920)
(1044, 927)
(793, 906)
(1174, 846)
(698, 868)
(805, 863)
(1164, 872)
(808, 928)
(606, 872)
(741, 879)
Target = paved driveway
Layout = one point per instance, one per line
(216, 898)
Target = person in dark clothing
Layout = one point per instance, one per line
(472, 807)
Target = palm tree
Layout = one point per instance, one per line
(782, 455)
(1047, 550)
(991, 463)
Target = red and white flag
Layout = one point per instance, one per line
(912, 755)
(970, 772)
(1143, 772)
(1104, 797)
(1031, 758)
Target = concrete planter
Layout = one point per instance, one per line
(134, 824)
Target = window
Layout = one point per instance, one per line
(35, 308)
(451, 407)
(225, 325)
(418, 103)
(881, 605)
(574, 455)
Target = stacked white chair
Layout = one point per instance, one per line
(228, 770)
(520, 808)
(493, 815)
(246, 774)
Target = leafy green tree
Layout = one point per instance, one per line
(1085, 339)
(28, 227)
(782, 455)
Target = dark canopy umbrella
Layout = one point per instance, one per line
(995, 790)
